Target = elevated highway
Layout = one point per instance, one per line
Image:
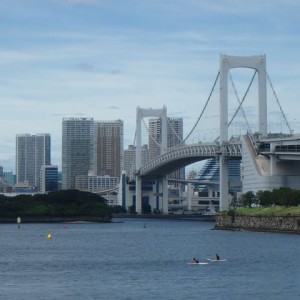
(186, 155)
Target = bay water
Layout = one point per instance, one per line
(146, 259)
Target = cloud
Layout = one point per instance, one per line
(85, 67)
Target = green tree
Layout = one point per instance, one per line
(247, 199)
(265, 198)
(281, 195)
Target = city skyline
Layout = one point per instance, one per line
(102, 59)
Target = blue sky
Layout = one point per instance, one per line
(103, 58)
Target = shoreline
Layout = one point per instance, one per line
(190, 217)
(89, 219)
(80, 219)
(259, 223)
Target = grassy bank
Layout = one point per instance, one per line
(277, 210)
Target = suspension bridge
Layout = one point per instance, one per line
(269, 160)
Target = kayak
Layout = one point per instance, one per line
(199, 263)
(210, 259)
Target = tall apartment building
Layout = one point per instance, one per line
(32, 151)
(174, 138)
(109, 139)
(77, 149)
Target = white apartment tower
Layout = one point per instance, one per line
(32, 152)
(77, 149)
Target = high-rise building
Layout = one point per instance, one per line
(32, 151)
(49, 179)
(77, 149)
(109, 148)
(174, 138)
(129, 157)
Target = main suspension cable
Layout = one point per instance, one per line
(200, 116)
(277, 100)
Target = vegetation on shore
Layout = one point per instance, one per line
(267, 211)
(285, 197)
(61, 204)
(282, 201)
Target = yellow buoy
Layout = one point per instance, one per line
(49, 236)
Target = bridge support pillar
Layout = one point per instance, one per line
(223, 203)
(138, 194)
(190, 191)
(165, 203)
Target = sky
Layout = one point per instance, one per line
(104, 58)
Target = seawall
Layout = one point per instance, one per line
(287, 224)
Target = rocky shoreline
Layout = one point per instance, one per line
(281, 224)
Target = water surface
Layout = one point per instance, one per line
(146, 259)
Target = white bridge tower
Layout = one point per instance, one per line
(226, 63)
(140, 114)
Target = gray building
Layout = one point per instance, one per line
(32, 151)
(77, 149)
(109, 157)
(129, 157)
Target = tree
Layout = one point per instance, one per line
(247, 199)
(265, 198)
(280, 195)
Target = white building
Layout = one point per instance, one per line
(100, 183)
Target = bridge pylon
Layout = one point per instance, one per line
(226, 63)
(140, 114)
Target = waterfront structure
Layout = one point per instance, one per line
(77, 149)
(275, 164)
(49, 179)
(109, 148)
(32, 151)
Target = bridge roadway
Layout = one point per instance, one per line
(284, 148)
(180, 157)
